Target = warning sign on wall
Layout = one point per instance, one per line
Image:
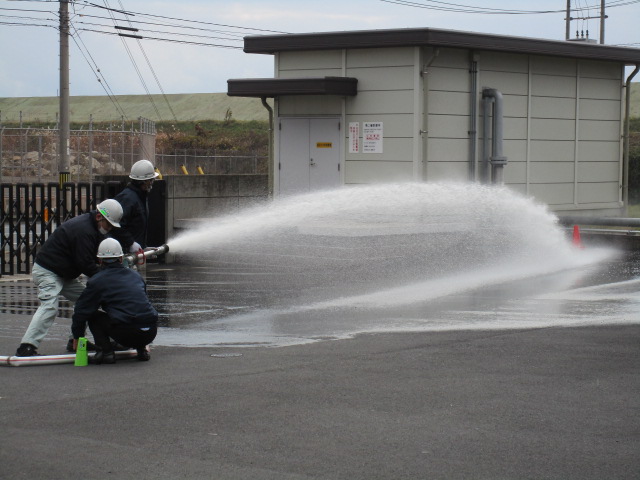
(372, 133)
(354, 137)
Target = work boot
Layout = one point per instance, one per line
(143, 355)
(90, 346)
(102, 357)
(27, 350)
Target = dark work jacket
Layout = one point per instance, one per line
(121, 293)
(71, 249)
(135, 217)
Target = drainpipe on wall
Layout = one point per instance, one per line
(425, 116)
(497, 160)
(473, 127)
(270, 160)
(625, 143)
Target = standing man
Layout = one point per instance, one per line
(69, 252)
(135, 219)
(127, 315)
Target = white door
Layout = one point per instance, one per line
(309, 154)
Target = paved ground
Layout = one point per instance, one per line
(553, 403)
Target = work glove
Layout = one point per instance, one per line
(135, 247)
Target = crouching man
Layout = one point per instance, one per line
(127, 315)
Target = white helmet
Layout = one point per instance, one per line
(111, 210)
(109, 248)
(142, 170)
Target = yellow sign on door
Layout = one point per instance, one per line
(324, 145)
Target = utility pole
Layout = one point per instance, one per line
(602, 17)
(568, 19)
(64, 140)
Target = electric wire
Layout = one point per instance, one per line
(155, 76)
(140, 77)
(99, 76)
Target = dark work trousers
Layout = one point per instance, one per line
(103, 329)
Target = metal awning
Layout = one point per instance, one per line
(275, 87)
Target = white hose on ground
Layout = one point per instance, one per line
(14, 361)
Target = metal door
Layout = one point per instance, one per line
(309, 154)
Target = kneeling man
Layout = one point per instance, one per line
(126, 314)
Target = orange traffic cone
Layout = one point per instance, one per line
(576, 237)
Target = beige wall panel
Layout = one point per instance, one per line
(399, 125)
(313, 59)
(601, 88)
(599, 152)
(377, 172)
(449, 126)
(594, 130)
(449, 57)
(448, 171)
(448, 103)
(551, 172)
(375, 57)
(513, 105)
(514, 150)
(443, 150)
(551, 129)
(515, 172)
(503, 62)
(309, 105)
(598, 192)
(366, 103)
(384, 78)
(553, 86)
(594, 69)
(553, 66)
(448, 79)
(515, 128)
(505, 82)
(311, 73)
(600, 109)
(545, 151)
(553, 107)
(552, 194)
(598, 172)
(394, 150)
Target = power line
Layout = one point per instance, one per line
(105, 84)
(152, 72)
(460, 8)
(189, 21)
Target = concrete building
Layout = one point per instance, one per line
(431, 105)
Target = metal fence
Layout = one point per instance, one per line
(30, 212)
(211, 163)
(30, 154)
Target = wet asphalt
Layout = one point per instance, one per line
(552, 403)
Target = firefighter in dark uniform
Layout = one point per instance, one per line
(115, 305)
(132, 234)
(69, 252)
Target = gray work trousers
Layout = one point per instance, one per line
(49, 286)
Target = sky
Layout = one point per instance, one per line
(195, 46)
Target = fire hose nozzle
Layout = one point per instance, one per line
(141, 257)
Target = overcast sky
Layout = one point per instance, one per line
(29, 63)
